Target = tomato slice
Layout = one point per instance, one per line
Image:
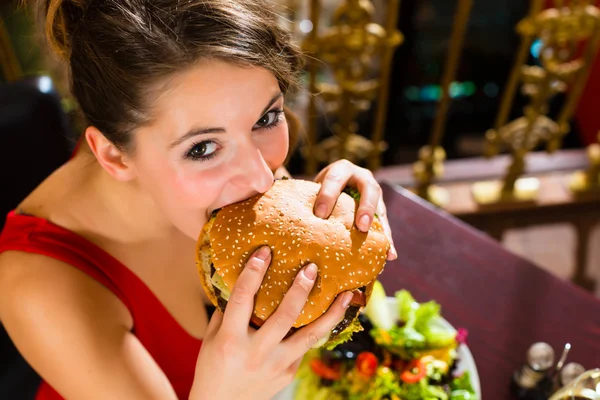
(325, 371)
(414, 371)
(366, 363)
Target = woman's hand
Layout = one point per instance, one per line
(237, 361)
(335, 177)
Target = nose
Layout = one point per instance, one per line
(255, 175)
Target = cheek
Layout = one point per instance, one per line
(182, 187)
(196, 189)
(274, 146)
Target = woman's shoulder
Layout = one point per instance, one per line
(36, 287)
(56, 193)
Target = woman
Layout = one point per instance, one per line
(184, 101)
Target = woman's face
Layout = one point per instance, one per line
(218, 135)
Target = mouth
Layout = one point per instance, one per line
(211, 211)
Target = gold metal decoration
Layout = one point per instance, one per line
(562, 31)
(431, 157)
(349, 48)
(11, 69)
(588, 182)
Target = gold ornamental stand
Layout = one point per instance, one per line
(586, 183)
(432, 156)
(349, 48)
(560, 31)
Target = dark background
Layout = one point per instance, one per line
(487, 58)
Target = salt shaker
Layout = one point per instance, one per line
(570, 372)
(531, 381)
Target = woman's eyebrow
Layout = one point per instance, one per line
(196, 132)
(271, 102)
(205, 130)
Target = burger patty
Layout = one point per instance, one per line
(356, 304)
(221, 302)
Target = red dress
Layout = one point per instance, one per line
(170, 345)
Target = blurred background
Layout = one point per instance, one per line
(413, 90)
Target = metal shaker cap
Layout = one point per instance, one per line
(570, 372)
(540, 356)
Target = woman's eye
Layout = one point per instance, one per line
(202, 150)
(270, 118)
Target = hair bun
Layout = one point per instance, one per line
(62, 18)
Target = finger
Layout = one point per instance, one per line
(292, 369)
(382, 215)
(304, 339)
(241, 301)
(215, 323)
(370, 195)
(277, 326)
(332, 185)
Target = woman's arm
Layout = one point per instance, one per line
(74, 332)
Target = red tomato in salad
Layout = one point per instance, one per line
(414, 371)
(366, 363)
(325, 371)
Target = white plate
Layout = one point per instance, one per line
(465, 359)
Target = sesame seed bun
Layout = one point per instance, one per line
(283, 218)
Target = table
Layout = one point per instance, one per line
(504, 301)
(554, 204)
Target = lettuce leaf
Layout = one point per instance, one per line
(383, 385)
(344, 335)
(419, 323)
(461, 388)
(422, 390)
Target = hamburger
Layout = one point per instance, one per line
(283, 218)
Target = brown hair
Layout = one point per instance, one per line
(118, 50)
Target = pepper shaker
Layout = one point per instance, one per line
(531, 381)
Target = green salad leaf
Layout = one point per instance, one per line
(461, 388)
(422, 390)
(345, 335)
(416, 334)
(419, 330)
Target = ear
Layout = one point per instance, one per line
(113, 160)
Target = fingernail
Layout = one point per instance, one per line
(364, 222)
(310, 272)
(263, 253)
(393, 253)
(321, 211)
(347, 299)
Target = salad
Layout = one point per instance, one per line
(410, 356)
